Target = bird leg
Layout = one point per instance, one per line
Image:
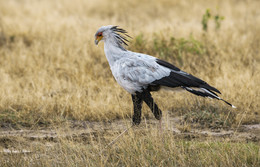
(137, 101)
(148, 99)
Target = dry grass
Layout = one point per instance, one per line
(146, 148)
(50, 66)
(51, 72)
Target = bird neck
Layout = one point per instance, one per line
(113, 52)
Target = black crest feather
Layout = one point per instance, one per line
(121, 36)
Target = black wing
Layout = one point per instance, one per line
(178, 78)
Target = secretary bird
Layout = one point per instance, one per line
(139, 74)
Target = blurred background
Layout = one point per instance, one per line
(51, 70)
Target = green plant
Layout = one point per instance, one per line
(207, 16)
(172, 48)
(218, 20)
(205, 19)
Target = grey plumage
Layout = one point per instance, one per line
(140, 73)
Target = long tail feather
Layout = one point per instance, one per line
(206, 93)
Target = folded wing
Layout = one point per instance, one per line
(178, 78)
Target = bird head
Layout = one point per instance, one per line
(110, 31)
(102, 33)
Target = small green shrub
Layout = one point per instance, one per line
(208, 16)
(168, 49)
(218, 20)
(205, 19)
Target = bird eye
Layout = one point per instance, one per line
(99, 34)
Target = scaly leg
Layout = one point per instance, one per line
(137, 101)
(154, 108)
(148, 99)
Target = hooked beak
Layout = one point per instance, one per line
(98, 38)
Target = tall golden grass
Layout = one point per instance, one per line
(51, 69)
